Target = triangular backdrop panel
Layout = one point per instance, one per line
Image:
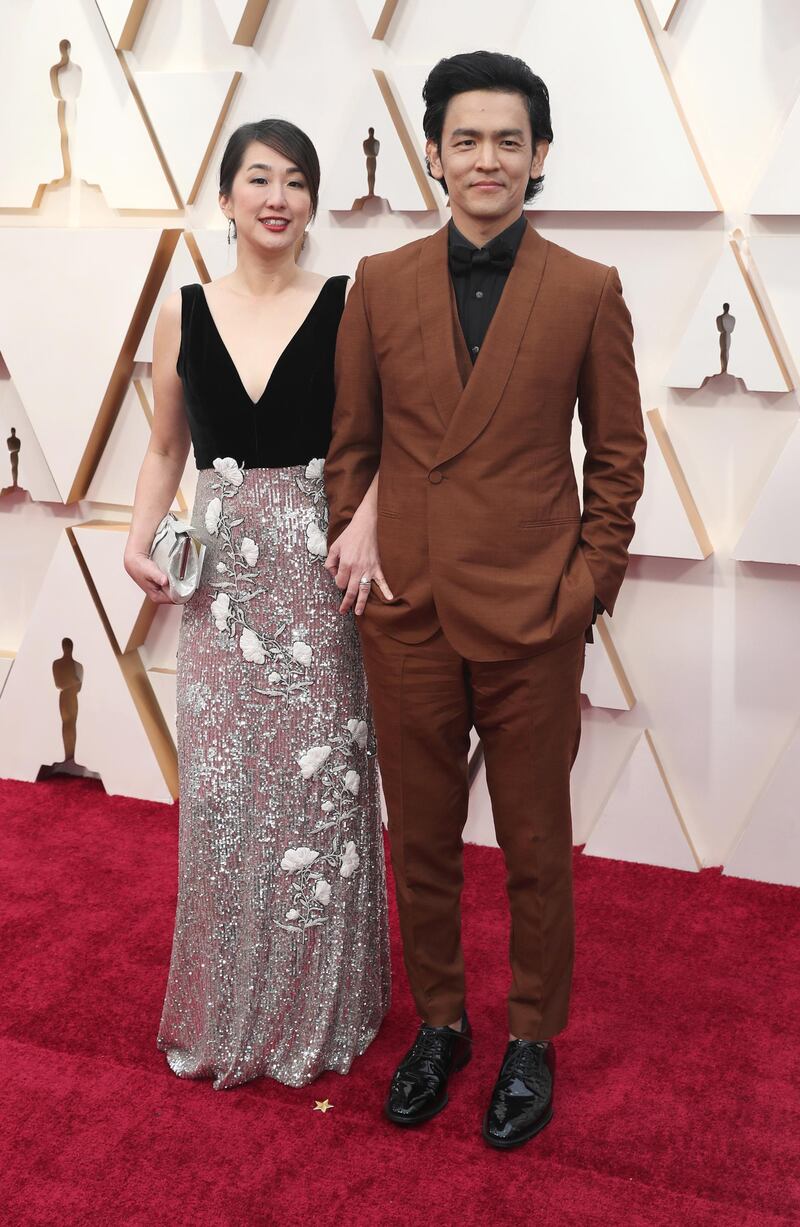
(640, 821)
(110, 737)
(163, 682)
(114, 479)
(395, 177)
(779, 190)
(242, 19)
(187, 110)
(648, 163)
(668, 524)
(771, 533)
(606, 746)
(751, 357)
(604, 681)
(33, 474)
(61, 347)
(122, 19)
(129, 611)
(182, 271)
(665, 11)
(377, 14)
(108, 140)
(777, 258)
(6, 662)
(768, 849)
(215, 253)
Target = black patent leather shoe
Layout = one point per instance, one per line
(419, 1087)
(522, 1099)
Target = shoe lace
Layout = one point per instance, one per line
(429, 1046)
(527, 1061)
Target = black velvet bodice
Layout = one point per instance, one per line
(291, 422)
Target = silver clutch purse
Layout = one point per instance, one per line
(179, 553)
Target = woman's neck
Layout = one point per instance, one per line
(258, 275)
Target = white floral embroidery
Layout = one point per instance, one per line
(330, 769)
(302, 652)
(229, 470)
(358, 732)
(312, 760)
(252, 647)
(240, 582)
(314, 469)
(221, 610)
(295, 859)
(316, 540)
(350, 860)
(352, 782)
(249, 551)
(293, 914)
(322, 892)
(213, 513)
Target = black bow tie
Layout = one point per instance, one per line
(464, 259)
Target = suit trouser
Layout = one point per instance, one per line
(425, 699)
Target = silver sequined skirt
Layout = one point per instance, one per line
(280, 960)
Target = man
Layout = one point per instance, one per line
(459, 361)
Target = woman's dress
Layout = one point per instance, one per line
(280, 963)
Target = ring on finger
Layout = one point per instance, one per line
(364, 582)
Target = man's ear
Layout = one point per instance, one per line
(540, 152)
(434, 160)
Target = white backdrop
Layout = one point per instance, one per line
(665, 140)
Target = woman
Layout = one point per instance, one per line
(280, 960)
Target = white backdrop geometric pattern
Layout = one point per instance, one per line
(675, 158)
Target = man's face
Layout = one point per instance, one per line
(487, 155)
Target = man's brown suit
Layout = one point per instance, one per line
(494, 571)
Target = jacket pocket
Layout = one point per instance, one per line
(547, 523)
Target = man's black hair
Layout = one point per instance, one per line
(486, 70)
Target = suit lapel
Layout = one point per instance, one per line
(436, 305)
(481, 395)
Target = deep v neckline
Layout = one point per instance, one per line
(255, 403)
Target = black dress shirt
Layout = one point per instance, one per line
(479, 277)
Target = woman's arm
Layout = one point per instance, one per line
(355, 553)
(165, 457)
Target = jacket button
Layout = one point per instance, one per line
(434, 477)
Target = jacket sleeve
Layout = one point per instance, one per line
(355, 451)
(610, 411)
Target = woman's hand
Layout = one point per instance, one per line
(354, 556)
(150, 578)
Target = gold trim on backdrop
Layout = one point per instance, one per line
(151, 132)
(673, 802)
(681, 485)
(250, 23)
(765, 323)
(384, 19)
(197, 256)
(112, 401)
(615, 662)
(223, 115)
(678, 106)
(133, 671)
(409, 147)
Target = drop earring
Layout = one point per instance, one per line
(231, 229)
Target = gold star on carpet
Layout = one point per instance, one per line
(322, 1105)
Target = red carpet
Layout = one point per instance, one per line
(677, 1092)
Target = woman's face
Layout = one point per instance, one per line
(269, 200)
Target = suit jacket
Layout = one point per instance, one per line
(479, 524)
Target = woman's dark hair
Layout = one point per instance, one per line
(285, 138)
(486, 70)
